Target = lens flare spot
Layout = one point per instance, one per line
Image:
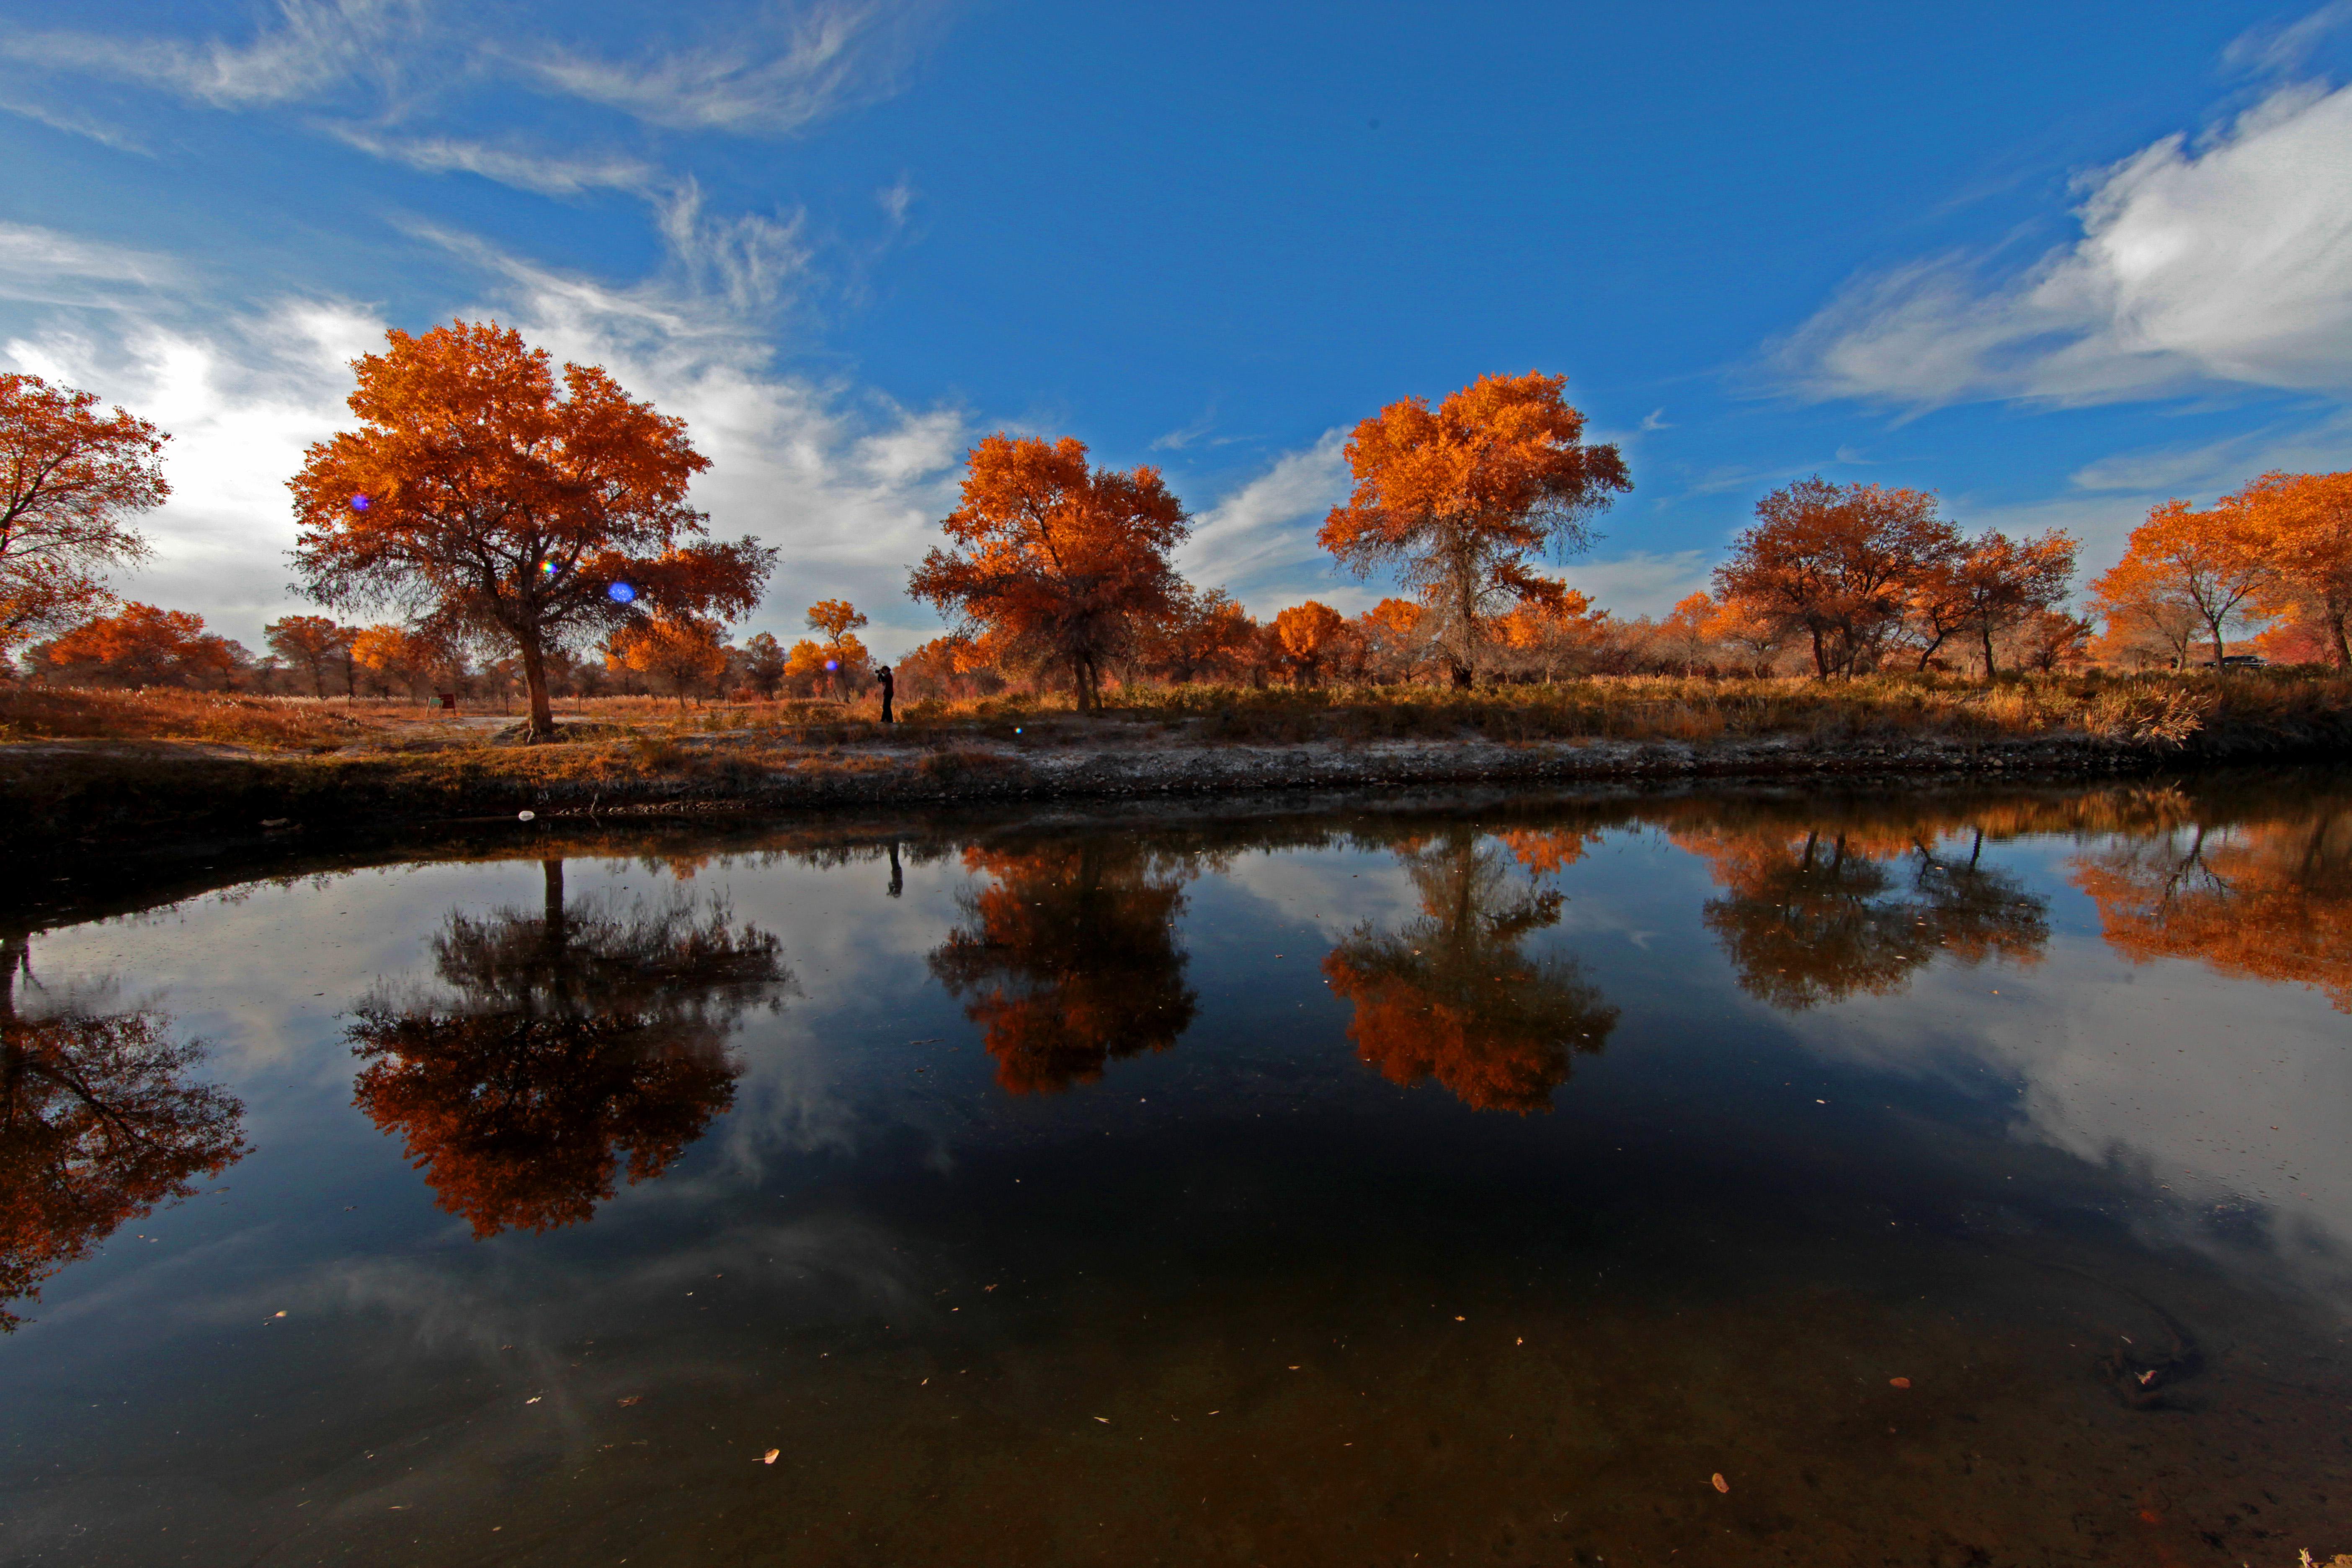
(621, 593)
(833, 663)
(361, 503)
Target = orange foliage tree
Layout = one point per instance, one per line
(312, 644)
(1068, 959)
(1206, 636)
(1458, 499)
(2147, 616)
(1551, 630)
(2301, 525)
(397, 656)
(1054, 563)
(99, 1125)
(483, 501)
(2211, 562)
(1395, 634)
(1450, 995)
(1311, 637)
(1838, 564)
(683, 651)
(71, 477)
(142, 646)
(573, 1044)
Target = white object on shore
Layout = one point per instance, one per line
(526, 815)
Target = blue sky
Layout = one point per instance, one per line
(2055, 262)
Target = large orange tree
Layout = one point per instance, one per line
(2301, 524)
(487, 501)
(2211, 562)
(1839, 564)
(1456, 499)
(71, 477)
(1054, 563)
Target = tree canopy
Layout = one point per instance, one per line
(1837, 564)
(1054, 563)
(71, 477)
(485, 500)
(1458, 499)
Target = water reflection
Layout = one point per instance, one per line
(1070, 958)
(1450, 995)
(2264, 899)
(97, 1127)
(1824, 913)
(563, 1043)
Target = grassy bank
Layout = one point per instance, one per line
(78, 767)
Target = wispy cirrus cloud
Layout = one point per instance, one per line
(2222, 261)
(315, 47)
(830, 56)
(41, 266)
(551, 176)
(1259, 542)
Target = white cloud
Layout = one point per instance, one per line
(2273, 47)
(1640, 583)
(827, 60)
(40, 266)
(547, 176)
(2225, 262)
(1259, 542)
(316, 46)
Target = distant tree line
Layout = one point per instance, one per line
(525, 533)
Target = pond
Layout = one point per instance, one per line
(1726, 1175)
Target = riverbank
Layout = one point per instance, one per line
(70, 796)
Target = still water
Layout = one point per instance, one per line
(1731, 1177)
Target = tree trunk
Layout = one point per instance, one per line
(534, 674)
(2342, 649)
(552, 920)
(1078, 683)
(2215, 627)
(1460, 674)
(1986, 632)
(1820, 655)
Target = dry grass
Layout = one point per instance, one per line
(30, 713)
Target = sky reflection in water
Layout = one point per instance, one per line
(1566, 1151)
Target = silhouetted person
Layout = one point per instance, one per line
(888, 682)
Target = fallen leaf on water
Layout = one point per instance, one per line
(276, 1314)
(1459, 1318)
(1104, 1419)
(1721, 1484)
(1899, 1382)
(534, 1399)
(769, 1457)
(631, 1398)
(1294, 1369)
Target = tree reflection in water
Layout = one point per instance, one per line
(1069, 959)
(97, 1128)
(1820, 915)
(570, 1041)
(2266, 900)
(1450, 995)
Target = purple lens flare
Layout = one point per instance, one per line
(620, 593)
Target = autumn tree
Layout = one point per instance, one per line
(484, 500)
(142, 644)
(560, 1048)
(1837, 564)
(1685, 634)
(313, 644)
(1205, 636)
(100, 1125)
(1396, 638)
(1552, 630)
(2146, 613)
(1460, 499)
(763, 664)
(682, 651)
(2211, 562)
(1068, 958)
(1451, 996)
(1310, 636)
(2301, 527)
(71, 479)
(1054, 563)
(401, 656)
(2004, 583)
